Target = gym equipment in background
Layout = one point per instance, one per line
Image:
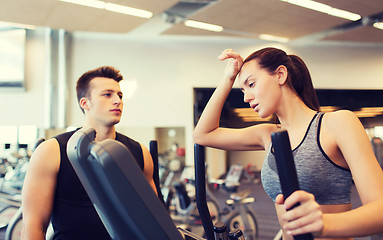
(238, 214)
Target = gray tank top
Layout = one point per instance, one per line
(317, 173)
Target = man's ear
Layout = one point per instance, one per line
(84, 103)
(282, 74)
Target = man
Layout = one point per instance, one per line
(52, 190)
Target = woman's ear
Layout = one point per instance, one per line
(84, 104)
(281, 74)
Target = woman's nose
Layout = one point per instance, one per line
(247, 97)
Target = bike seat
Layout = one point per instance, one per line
(238, 196)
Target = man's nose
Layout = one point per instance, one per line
(117, 100)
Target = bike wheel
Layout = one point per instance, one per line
(214, 210)
(236, 222)
(13, 231)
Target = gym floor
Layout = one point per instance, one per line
(264, 208)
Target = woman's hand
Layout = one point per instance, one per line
(234, 64)
(305, 218)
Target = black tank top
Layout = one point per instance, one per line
(73, 214)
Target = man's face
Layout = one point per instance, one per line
(105, 101)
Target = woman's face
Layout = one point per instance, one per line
(260, 88)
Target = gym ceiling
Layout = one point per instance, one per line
(243, 18)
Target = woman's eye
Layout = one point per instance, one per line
(251, 84)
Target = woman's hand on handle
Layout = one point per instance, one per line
(305, 218)
(234, 64)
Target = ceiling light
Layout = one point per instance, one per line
(344, 14)
(256, 119)
(310, 5)
(273, 38)
(248, 115)
(361, 114)
(328, 108)
(112, 7)
(202, 25)
(320, 7)
(128, 10)
(373, 109)
(378, 25)
(88, 3)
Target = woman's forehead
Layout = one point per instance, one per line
(247, 69)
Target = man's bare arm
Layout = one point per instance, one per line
(38, 190)
(148, 167)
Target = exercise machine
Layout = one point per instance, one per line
(124, 200)
(122, 197)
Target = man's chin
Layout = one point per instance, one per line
(112, 123)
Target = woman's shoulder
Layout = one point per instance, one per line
(339, 115)
(339, 120)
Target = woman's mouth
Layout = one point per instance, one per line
(254, 106)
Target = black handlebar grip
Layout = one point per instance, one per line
(287, 172)
(200, 190)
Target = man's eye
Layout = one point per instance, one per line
(251, 84)
(106, 94)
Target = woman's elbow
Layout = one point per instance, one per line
(197, 137)
(200, 138)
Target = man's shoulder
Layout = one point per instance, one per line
(64, 137)
(123, 138)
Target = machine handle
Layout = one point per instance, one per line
(287, 172)
(200, 188)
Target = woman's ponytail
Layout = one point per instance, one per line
(301, 82)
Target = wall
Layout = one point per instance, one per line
(167, 69)
(19, 107)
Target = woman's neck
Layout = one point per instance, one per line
(293, 113)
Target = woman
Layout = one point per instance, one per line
(329, 147)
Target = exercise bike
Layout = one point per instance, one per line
(238, 214)
(184, 209)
